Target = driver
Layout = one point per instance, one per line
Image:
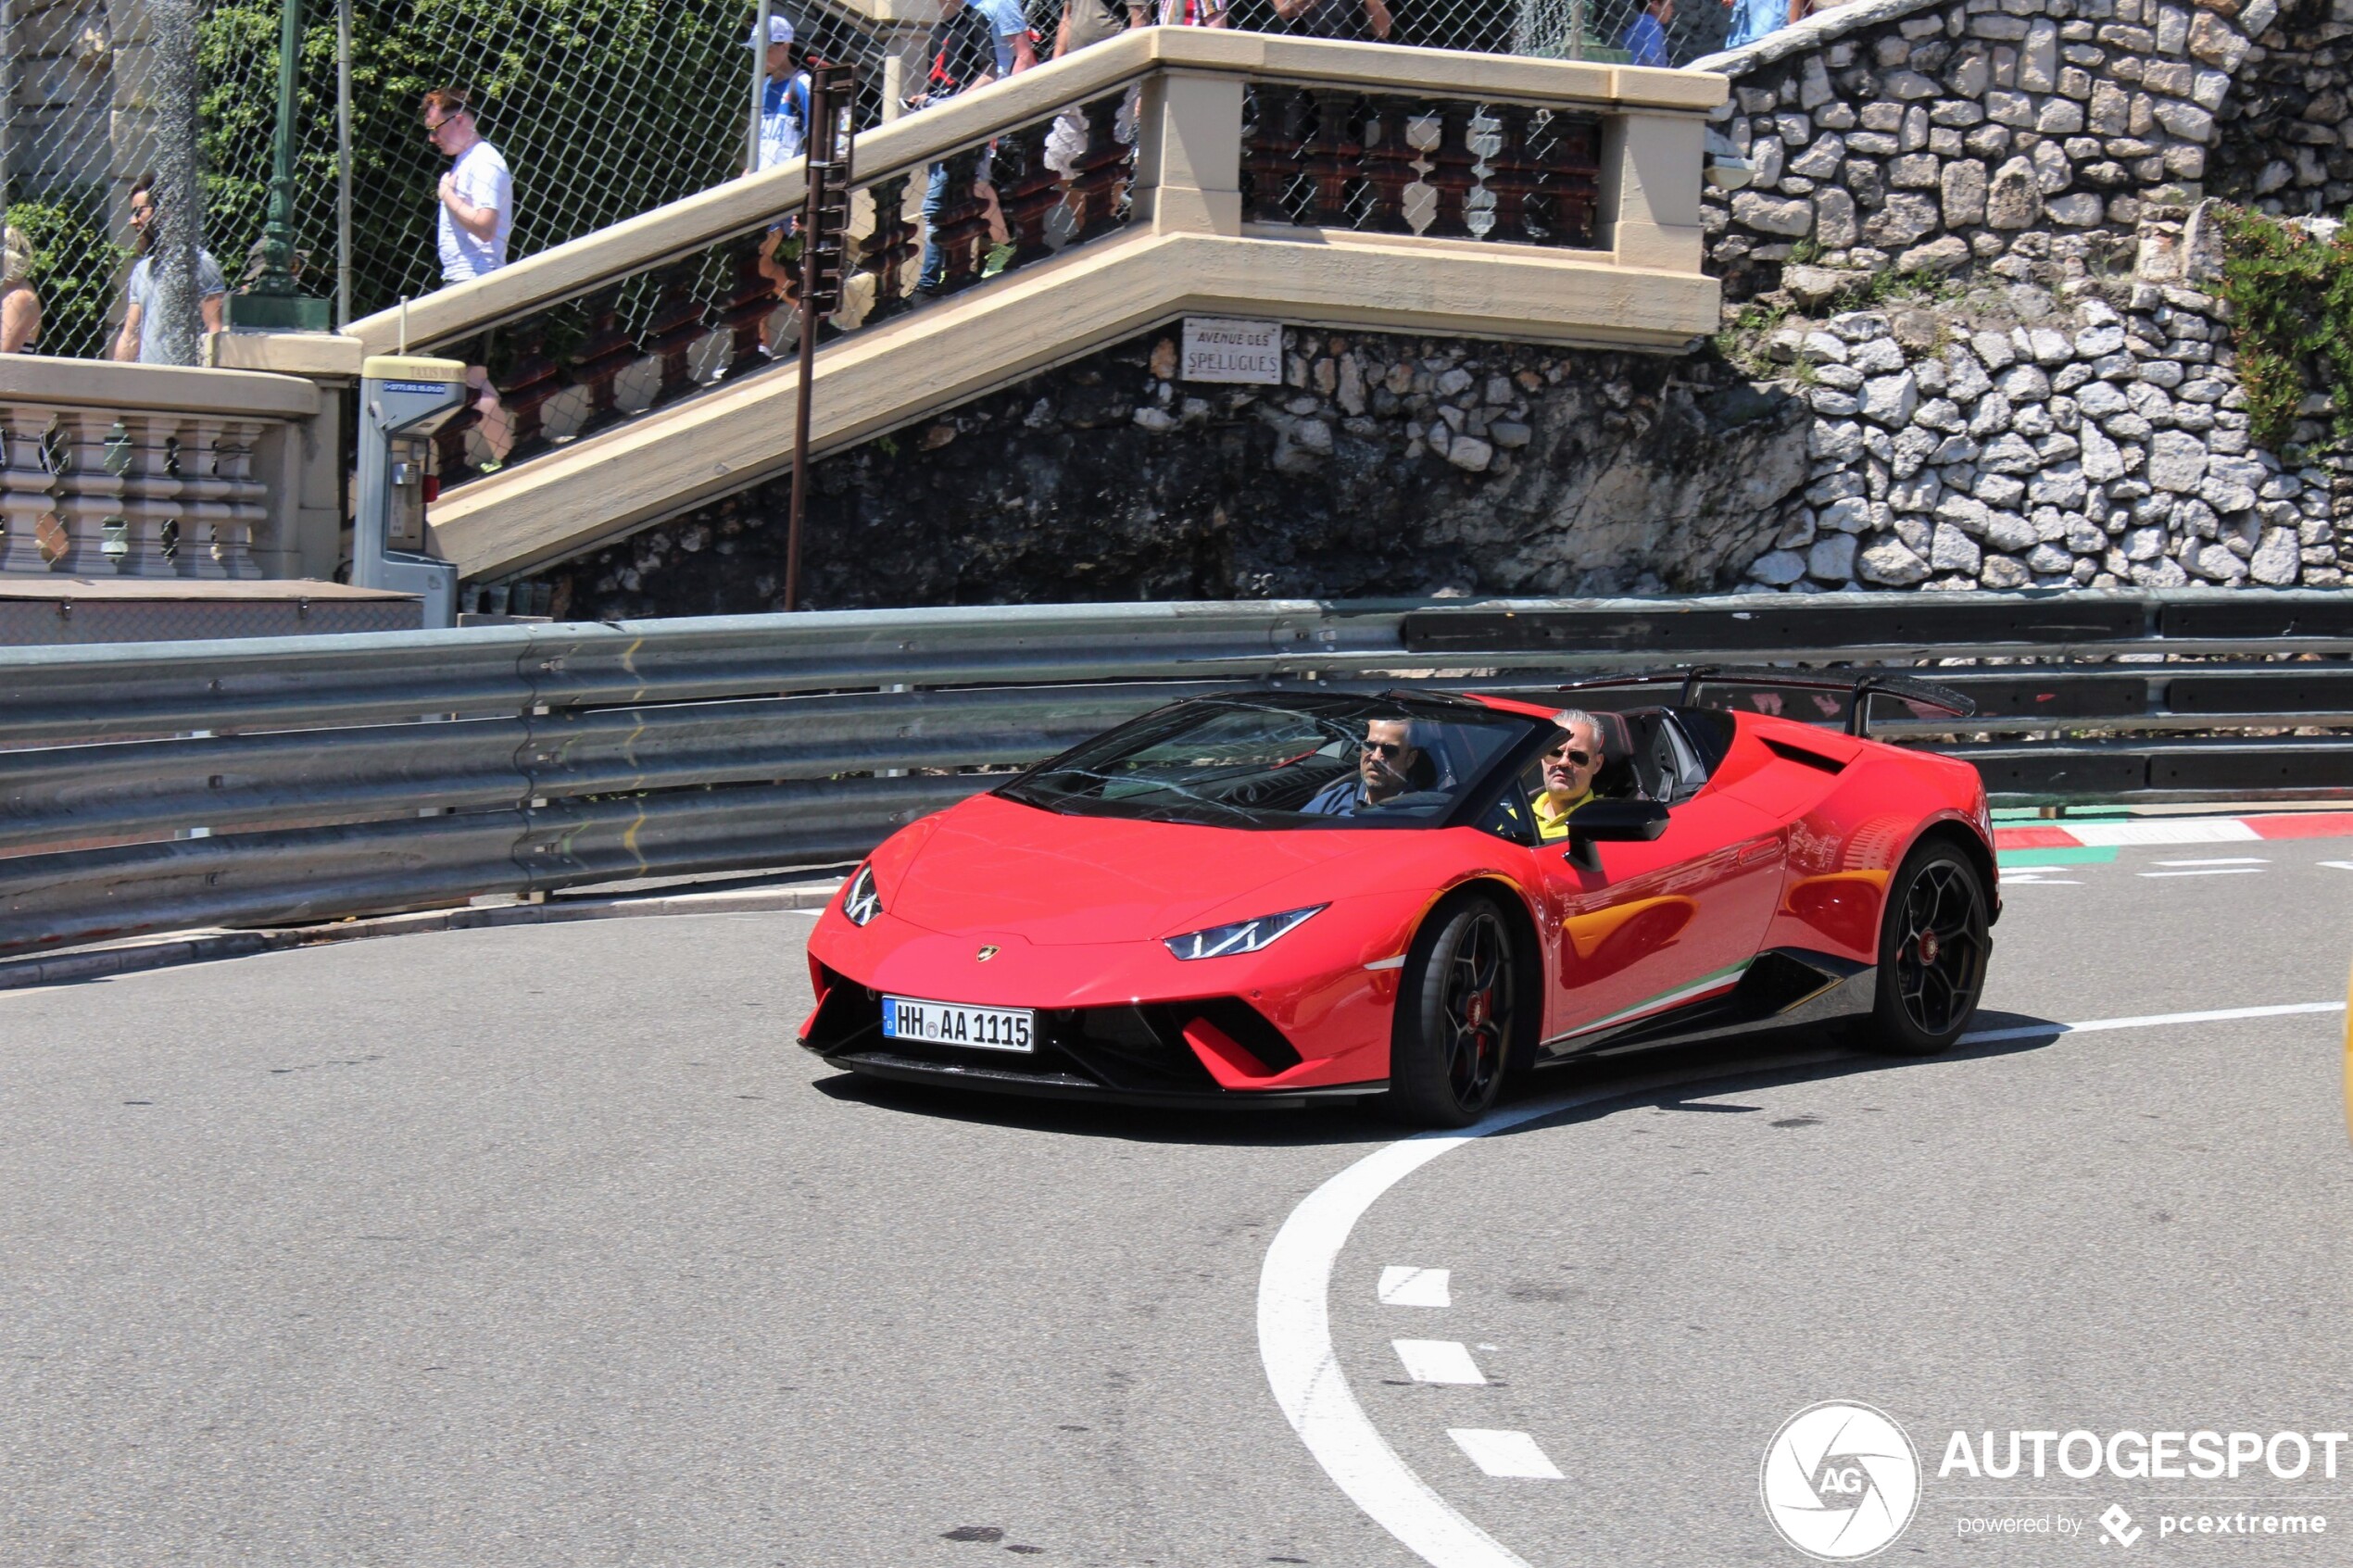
(1385, 768)
(1569, 764)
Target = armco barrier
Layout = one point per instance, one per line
(340, 775)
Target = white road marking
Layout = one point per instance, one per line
(2218, 860)
(2151, 1021)
(1512, 1455)
(1438, 1360)
(1294, 1305)
(1405, 1285)
(2012, 878)
(2338, 865)
(2205, 830)
(2213, 871)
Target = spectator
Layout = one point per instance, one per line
(477, 199)
(1335, 19)
(1646, 40)
(1753, 20)
(20, 306)
(1194, 13)
(973, 46)
(784, 135)
(1087, 22)
(139, 339)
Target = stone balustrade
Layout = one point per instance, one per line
(154, 471)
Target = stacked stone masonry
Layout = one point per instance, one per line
(2046, 395)
(2092, 449)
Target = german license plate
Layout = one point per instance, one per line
(949, 1023)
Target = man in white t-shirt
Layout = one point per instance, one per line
(477, 195)
(477, 213)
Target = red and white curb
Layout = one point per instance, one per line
(2139, 831)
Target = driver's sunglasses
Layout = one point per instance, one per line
(1582, 758)
(1386, 748)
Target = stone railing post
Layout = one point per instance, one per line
(1188, 156)
(1650, 190)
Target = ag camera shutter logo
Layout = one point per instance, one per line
(1841, 1481)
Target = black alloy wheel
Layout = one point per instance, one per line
(1932, 950)
(1457, 1006)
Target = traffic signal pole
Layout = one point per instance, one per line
(824, 239)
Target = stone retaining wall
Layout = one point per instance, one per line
(2079, 445)
(1383, 465)
(2044, 393)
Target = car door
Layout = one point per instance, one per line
(1658, 924)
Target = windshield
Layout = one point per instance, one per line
(1281, 760)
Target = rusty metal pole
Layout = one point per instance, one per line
(825, 217)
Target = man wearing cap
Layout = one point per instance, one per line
(784, 99)
(783, 135)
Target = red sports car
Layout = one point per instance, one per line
(1275, 896)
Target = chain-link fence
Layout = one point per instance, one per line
(602, 109)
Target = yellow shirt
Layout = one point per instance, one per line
(1551, 824)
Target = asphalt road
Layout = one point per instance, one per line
(542, 1245)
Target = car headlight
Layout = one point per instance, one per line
(1243, 937)
(860, 901)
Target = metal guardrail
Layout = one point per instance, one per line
(340, 775)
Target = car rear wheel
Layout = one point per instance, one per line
(1932, 950)
(1456, 1009)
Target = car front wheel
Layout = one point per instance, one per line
(1932, 950)
(1456, 1009)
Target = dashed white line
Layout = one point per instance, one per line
(2218, 860)
(1512, 1455)
(2213, 871)
(1438, 1360)
(2337, 865)
(1405, 1285)
(1294, 1305)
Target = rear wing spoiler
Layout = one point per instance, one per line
(1858, 687)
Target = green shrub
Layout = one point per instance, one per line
(2291, 299)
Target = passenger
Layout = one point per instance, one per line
(1569, 766)
(1387, 766)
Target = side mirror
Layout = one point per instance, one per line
(1611, 821)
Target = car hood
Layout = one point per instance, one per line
(992, 866)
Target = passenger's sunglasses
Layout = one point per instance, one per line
(1582, 758)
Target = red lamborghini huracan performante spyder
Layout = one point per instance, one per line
(1272, 897)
